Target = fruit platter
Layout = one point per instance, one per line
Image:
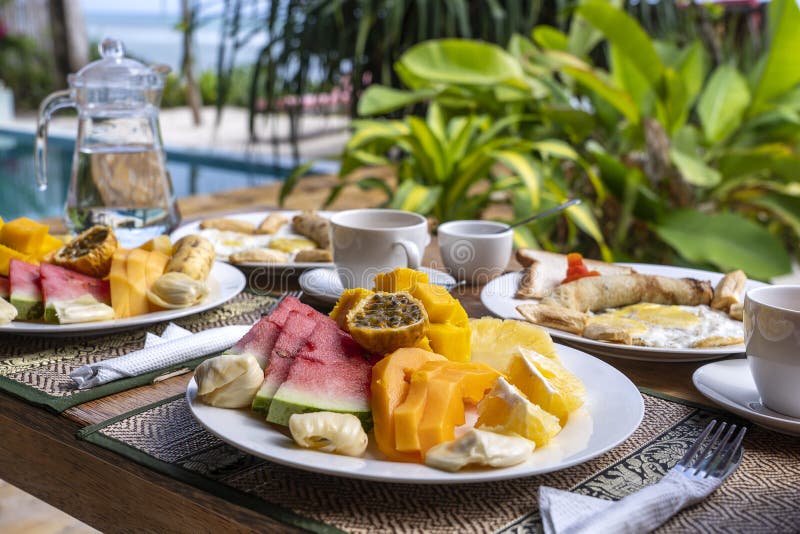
(88, 284)
(398, 384)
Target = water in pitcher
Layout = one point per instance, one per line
(129, 190)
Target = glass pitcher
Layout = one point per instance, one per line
(119, 176)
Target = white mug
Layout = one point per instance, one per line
(772, 344)
(369, 241)
(475, 251)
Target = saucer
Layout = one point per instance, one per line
(324, 284)
(730, 384)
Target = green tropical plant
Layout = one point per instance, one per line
(707, 162)
(678, 161)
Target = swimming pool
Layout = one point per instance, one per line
(191, 174)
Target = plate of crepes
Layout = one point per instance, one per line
(88, 284)
(278, 240)
(398, 385)
(626, 310)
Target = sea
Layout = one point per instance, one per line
(156, 38)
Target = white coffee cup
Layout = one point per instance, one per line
(369, 241)
(772, 344)
(475, 251)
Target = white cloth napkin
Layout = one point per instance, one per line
(564, 512)
(176, 345)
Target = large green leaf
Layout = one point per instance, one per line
(624, 32)
(458, 61)
(621, 100)
(428, 151)
(781, 70)
(412, 196)
(672, 108)
(692, 68)
(775, 158)
(524, 168)
(367, 131)
(379, 99)
(723, 103)
(726, 240)
(784, 207)
(694, 170)
(549, 37)
(625, 75)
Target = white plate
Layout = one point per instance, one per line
(730, 384)
(613, 410)
(324, 284)
(255, 218)
(498, 297)
(224, 283)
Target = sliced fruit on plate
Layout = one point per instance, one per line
(297, 329)
(24, 235)
(118, 281)
(260, 339)
(400, 279)
(384, 322)
(90, 252)
(546, 383)
(330, 373)
(25, 290)
(4, 287)
(390, 386)
(7, 254)
(349, 300)
(506, 410)
(495, 340)
(434, 406)
(60, 287)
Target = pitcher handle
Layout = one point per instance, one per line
(412, 253)
(54, 102)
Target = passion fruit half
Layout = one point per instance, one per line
(90, 252)
(384, 322)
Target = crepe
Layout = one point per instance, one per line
(554, 317)
(272, 224)
(597, 293)
(544, 271)
(314, 227)
(728, 290)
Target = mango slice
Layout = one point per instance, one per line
(23, 235)
(389, 389)
(400, 279)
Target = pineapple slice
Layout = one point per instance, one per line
(547, 383)
(506, 410)
(494, 341)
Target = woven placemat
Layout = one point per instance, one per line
(37, 368)
(761, 496)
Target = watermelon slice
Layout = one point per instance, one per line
(61, 287)
(330, 373)
(4, 287)
(25, 290)
(296, 331)
(260, 339)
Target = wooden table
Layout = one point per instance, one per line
(40, 454)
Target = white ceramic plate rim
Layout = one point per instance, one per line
(613, 405)
(498, 297)
(224, 281)
(256, 217)
(740, 366)
(331, 294)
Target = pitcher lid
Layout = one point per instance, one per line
(115, 70)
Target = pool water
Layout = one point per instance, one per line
(191, 174)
